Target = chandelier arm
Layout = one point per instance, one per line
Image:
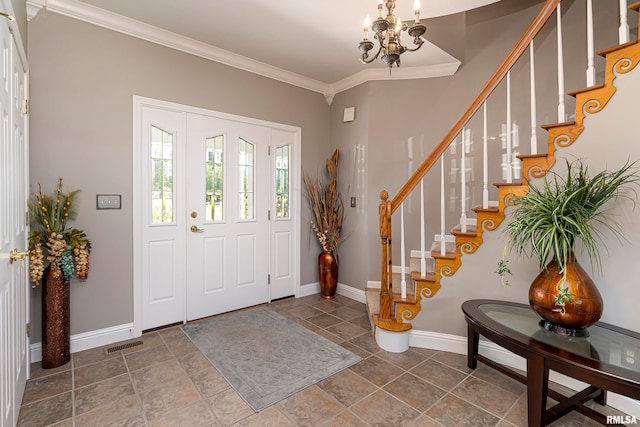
(415, 48)
(380, 37)
(364, 59)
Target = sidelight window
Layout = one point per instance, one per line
(282, 181)
(246, 169)
(161, 176)
(214, 176)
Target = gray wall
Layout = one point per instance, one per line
(83, 78)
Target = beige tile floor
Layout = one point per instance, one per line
(168, 382)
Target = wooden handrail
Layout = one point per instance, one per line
(512, 57)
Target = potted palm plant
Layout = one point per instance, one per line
(327, 209)
(548, 221)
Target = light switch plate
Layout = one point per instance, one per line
(108, 201)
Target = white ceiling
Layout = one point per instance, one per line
(311, 40)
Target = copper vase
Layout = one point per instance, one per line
(584, 309)
(56, 323)
(328, 266)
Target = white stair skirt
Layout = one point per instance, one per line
(393, 342)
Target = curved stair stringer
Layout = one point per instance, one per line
(619, 60)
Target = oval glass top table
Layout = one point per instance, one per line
(609, 359)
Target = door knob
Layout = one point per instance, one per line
(14, 255)
(195, 229)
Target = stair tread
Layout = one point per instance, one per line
(409, 299)
(576, 92)
(608, 50)
(447, 255)
(471, 231)
(557, 125)
(430, 277)
(391, 325)
(635, 6)
(531, 156)
(507, 184)
(489, 209)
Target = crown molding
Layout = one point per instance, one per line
(33, 7)
(409, 73)
(122, 24)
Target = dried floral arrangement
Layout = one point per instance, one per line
(65, 249)
(326, 205)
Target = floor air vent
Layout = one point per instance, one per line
(123, 346)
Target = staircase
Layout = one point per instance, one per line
(392, 307)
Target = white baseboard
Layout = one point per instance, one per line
(351, 292)
(371, 284)
(309, 289)
(342, 289)
(88, 340)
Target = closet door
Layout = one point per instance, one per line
(14, 283)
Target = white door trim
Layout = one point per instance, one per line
(139, 103)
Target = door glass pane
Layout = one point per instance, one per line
(161, 176)
(214, 176)
(282, 181)
(246, 175)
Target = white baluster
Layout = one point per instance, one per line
(508, 131)
(591, 68)
(443, 248)
(403, 281)
(463, 181)
(423, 261)
(623, 31)
(515, 142)
(534, 119)
(561, 114)
(485, 160)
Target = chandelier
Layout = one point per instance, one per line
(387, 32)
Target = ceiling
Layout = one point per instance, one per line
(311, 42)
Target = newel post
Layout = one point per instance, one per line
(385, 240)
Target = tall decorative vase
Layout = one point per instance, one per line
(56, 323)
(328, 265)
(584, 309)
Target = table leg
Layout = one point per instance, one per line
(537, 388)
(472, 347)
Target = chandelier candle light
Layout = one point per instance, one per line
(387, 32)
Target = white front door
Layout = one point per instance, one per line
(228, 190)
(14, 284)
(216, 212)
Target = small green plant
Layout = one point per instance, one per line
(550, 219)
(503, 269)
(562, 298)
